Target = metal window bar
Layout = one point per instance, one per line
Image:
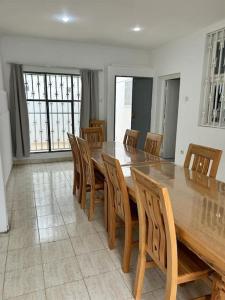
(222, 105)
(207, 80)
(212, 75)
(213, 105)
(51, 102)
(221, 44)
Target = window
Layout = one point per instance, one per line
(53, 102)
(213, 107)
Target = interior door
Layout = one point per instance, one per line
(141, 107)
(170, 118)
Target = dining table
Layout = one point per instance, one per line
(198, 203)
(127, 155)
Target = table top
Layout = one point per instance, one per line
(125, 154)
(199, 209)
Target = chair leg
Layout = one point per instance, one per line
(92, 205)
(171, 287)
(127, 248)
(171, 290)
(112, 229)
(139, 279)
(106, 206)
(83, 195)
(74, 181)
(79, 188)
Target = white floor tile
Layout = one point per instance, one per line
(87, 243)
(95, 263)
(53, 234)
(2, 262)
(56, 250)
(70, 291)
(23, 281)
(20, 238)
(50, 221)
(108, 286)
(80, 229)
(23, 258)
(61, 271)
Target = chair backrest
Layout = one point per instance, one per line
(153, 143)
(92, 134)
(117, 190)
(157, 233)
(75, 152)
(98, 123)
(205, 160)
(87, 164)
(71, 141)
(131, 137)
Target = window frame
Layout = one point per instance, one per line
(212, 104)
(47, 102)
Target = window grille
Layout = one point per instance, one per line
(213, 106)
(53, 102)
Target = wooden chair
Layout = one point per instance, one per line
(98, 123)
(131, 137)
(157, 239)
(92, 181)
(153, 143)
(92, 134)
(77, 181)
(205, 160)
(119, 208)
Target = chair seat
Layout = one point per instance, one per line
(190, 267)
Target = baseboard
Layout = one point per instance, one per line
(41, 160)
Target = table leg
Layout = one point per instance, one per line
(218, 288)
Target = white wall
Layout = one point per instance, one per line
(185, 56)
(5, 154)
(44, 52)
(5, 132)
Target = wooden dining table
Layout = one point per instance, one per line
(125, 154)
(198, 204)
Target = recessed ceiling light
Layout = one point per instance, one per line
(64, 18)
(137, 28)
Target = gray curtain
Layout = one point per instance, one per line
(19, 113)
(90, 97)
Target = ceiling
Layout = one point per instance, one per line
(109, 21)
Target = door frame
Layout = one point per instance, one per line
(140, 77)
(162, 99)
(120, 70)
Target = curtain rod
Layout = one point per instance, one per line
(50, 66)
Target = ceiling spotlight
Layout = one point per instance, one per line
(64, 18)
(137, 28)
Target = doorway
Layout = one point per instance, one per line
(170, 113)
(133, 103)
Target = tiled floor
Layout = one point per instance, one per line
(53, 252)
